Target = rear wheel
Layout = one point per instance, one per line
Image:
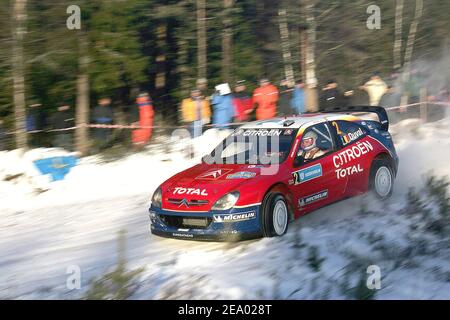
(381, 178)
(275, 215)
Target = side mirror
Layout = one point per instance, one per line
(208, 159)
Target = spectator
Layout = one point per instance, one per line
(243, 104)
(2, 136)
(298, 98)
(223, 107)
(196, 112)
(391, 98)
(35, 121)
(61, 120)
(375, 88)
(141, 136)
(103, 114)
(35, 118)
(265, 97)
(347, 98)
(331, 97)
(202, 85)
(285, 98)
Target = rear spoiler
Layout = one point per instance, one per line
(379, 111)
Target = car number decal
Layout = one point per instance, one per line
(307, 174)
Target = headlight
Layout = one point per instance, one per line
(157, 198)
(227, 201)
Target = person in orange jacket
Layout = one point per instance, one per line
(265, 97)
(141, 136)
(196, 112)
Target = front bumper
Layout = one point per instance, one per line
(231, 225)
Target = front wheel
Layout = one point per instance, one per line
(382, 178)
(275, 215)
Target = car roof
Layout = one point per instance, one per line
(296, 122)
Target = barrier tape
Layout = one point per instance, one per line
(446, 104)
(134, 127)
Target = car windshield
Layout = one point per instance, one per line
(254, 146)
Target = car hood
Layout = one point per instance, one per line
(199, 187)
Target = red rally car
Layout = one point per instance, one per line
(267, 173)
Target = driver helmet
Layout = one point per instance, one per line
(309, 141)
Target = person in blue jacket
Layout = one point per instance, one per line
(298, 98)
(223, 107)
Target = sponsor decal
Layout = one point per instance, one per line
(221, 218)
(313, 198)
(349, 137)
(190, 191)
(308, 174)
(341, 159)
(241, 175)
(214, 174)
(228, 231)
(258, 132)
(353, 153)
(342, 173)
(288, 132)
(255, 166)
(387, 135)
(183, 235)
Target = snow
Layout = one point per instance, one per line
(76, 222)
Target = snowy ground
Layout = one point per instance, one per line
(77, 221)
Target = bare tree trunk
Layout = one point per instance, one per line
(227, 37)
(312, 103)
(19, 16)
(183, 70)
(398, 34)
(412, 39)
(201, 39)
(303, 41)
(182, 66)
(285, 47)
(161, 39)
(82, 108)
(410, 47)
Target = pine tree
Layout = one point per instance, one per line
(19, 16)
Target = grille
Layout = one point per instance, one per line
(186, 222)
(190, 203)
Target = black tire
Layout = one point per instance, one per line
(272, 200)
(381, 178)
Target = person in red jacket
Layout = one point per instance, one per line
(141, 136)
(266, 97)
(243, 103)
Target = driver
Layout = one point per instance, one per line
(309, 149)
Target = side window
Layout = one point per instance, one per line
(348, 132)
(316, 142)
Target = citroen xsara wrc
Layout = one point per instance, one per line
(267, 173)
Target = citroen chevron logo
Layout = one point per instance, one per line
(184, 202)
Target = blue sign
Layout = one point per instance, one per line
(57, 167)
(308, 174)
